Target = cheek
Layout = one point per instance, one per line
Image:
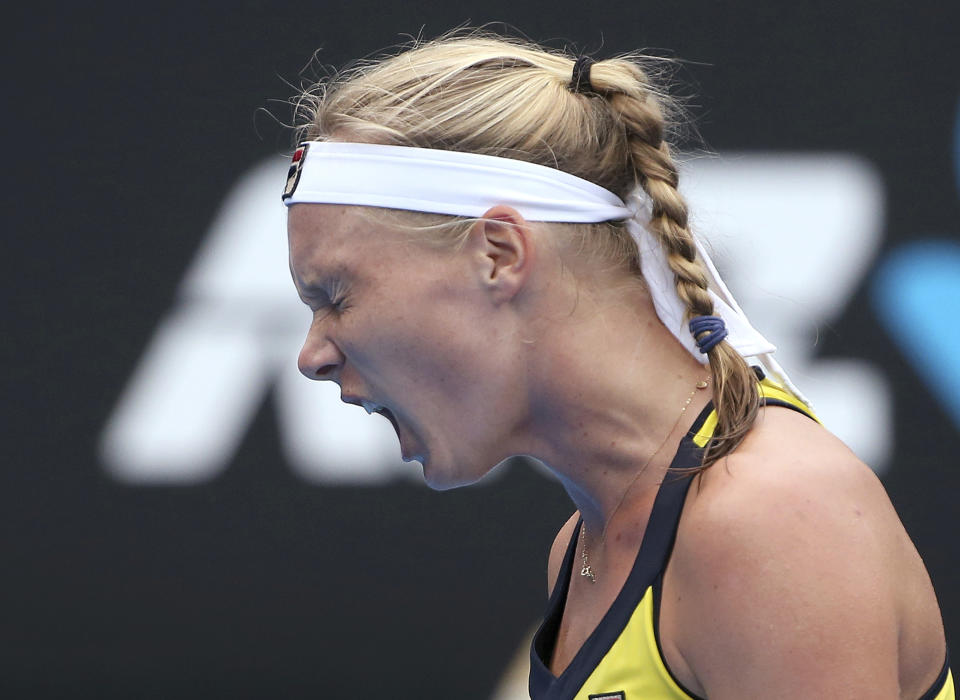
(424, 354)
(425, 332)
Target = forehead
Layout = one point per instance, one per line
(335, 240)
(312, 226)
(324, 237)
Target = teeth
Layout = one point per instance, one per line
(370, 406)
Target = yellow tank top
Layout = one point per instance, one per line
(622, 659)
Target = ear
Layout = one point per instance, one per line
(502, 247)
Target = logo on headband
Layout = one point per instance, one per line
(293, 174)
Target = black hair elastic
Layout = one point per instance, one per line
(580, 82)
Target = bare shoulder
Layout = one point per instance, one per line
(559, 549)
(791, 553)
(791, 472)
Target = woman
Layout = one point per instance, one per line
(497, 258)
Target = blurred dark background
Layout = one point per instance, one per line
(127, 126)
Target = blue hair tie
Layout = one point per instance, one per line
(713, 326)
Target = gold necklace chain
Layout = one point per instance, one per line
(586, 569)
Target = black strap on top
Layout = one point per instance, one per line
(654, 552)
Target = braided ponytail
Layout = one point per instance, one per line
(734, 384)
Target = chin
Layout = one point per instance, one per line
(446, 476)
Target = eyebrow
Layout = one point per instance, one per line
(305, 290)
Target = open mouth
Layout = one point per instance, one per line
(383, 411)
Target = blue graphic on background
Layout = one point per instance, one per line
(916, 293)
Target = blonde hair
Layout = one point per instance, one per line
(482, 93)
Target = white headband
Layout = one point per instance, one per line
(468, 184)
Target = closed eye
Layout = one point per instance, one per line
(337, 293)
(339, 305)
(332, 297)
(323, 304)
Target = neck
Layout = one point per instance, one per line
(609, 404)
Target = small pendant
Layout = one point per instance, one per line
(701, 384)
(588, 572)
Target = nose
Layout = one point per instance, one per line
(319, 357)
